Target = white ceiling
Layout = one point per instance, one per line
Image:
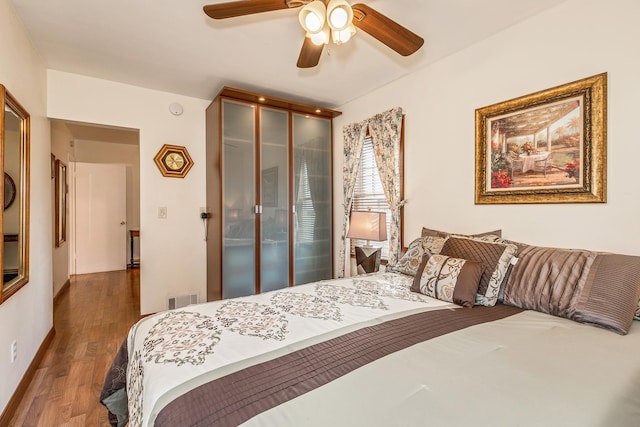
(172, 46)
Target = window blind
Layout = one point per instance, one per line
(306, 214)
(369, 195)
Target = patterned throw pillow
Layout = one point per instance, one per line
(410, 261)
(448, 279)
(437, 233)
(495, 258)
(432, 244)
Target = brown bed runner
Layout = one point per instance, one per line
(237, 397)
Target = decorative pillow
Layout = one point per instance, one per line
(438, 233)
(448, 279)
(495, 258)
(637, 315)
(491, 238)
(514, 260)
(432, 244)
(588, 287)
(410, 261)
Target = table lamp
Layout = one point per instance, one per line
(368, 225)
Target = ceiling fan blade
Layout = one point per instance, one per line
(243, 7)
(386, 30)
(309, 54)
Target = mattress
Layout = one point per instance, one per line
(368, 351)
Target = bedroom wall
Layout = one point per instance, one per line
(60, 147)
(172, 249)
(576, 39)
(27, 315)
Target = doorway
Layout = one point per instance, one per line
(78, 142)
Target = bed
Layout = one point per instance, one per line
(399, 347)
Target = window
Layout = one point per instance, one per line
(368, 193)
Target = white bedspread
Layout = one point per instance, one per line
(529, 369)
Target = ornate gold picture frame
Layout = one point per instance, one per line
(546, 147)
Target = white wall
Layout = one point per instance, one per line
(62, 150)
(124, 154)
(27, 315)
(172, 250)
(577, 39)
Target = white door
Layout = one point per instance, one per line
(100, 217)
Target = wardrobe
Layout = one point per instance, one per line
(269, 193)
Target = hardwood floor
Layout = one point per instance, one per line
(91, 319)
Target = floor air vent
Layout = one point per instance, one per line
(181, 301)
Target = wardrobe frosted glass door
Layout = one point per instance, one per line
(238, 198)
(312, 192)
(274, 241)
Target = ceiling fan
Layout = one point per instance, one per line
(326, 20)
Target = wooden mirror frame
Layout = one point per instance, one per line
(10, 287)
(61, 203)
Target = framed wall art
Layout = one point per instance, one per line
(61, 203)
(546, 147)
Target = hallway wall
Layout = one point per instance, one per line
(62, 150)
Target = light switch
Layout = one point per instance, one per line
(162, 212)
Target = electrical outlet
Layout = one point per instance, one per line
(162, 212)
(14, 351)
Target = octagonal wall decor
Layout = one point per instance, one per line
(173, 161)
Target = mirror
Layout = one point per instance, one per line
(14, 158)
(61, 203)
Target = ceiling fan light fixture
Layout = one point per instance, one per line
(339, 14)
(312, 16)
(326, 21)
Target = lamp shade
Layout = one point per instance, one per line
(321, 37)
(339, 14)
(367, 225)
(312, 16)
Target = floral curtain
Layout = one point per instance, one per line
(385, 130)
(353, 141)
